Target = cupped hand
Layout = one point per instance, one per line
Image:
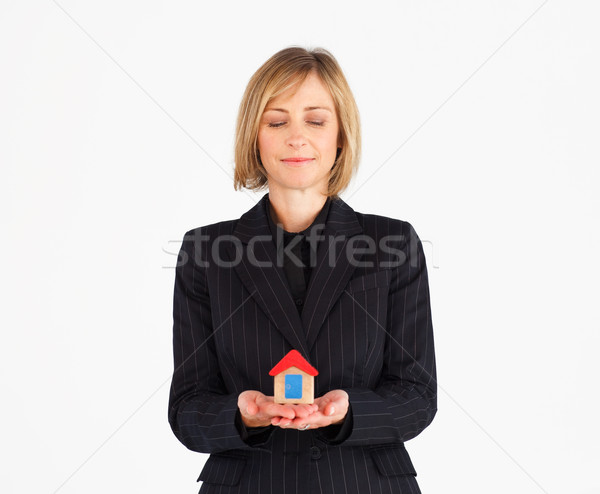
(258, 410)
(332, 409)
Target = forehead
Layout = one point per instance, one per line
(310, 90)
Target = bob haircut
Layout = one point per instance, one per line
(280, 72)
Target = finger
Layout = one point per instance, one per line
(303, 411)
(282, 411)
(301, 424)
(283, 422)
(276, 410)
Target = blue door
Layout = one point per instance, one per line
(293, 386)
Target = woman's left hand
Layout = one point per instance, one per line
(333, 407)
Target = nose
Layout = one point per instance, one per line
(296, 137)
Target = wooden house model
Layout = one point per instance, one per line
(294, 379)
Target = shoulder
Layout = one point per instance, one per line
(398, 243)
(197, 244)
(343, 215)
(212, 230)
(378, 226)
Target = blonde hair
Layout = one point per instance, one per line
(276, 75)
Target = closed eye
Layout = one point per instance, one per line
(279, 124)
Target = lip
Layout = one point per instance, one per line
(297, 161)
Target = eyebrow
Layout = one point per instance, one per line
(308, 108)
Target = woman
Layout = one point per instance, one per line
(302, 271)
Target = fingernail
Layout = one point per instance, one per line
(331, 411)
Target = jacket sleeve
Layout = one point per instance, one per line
(404, 401)
(201, 412)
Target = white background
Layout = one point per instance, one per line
(480, 127)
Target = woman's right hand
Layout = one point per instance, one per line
(257, 410)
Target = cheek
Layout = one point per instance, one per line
(328, 143)
(260, 141)
(265, 145)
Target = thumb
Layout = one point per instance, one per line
(247, 403)
(251, 408)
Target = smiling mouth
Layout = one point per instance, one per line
(297, 161)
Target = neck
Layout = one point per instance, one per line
(295, 211)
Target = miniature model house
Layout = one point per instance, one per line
(294, 379)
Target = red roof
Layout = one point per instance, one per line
(293, 358)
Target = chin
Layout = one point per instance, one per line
(298, 182)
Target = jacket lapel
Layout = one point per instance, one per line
(263, 278)
(336, 261)
(266, 281)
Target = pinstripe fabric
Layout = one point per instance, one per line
(366, 328)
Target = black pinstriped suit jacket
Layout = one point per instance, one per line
(366, 326)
